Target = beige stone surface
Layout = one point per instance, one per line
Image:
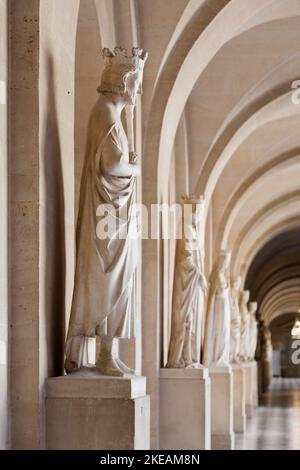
(24, 224)
(90, 384)
(222, 428)
(239, 398)
(98, 413)
(251, 386)
(185, 409)
(3, 230)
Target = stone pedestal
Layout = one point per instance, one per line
(266, 375)
(184, 409)
(85, 410)
(221, 407)
(254, 384)
(239, 402)
(259, 378)
(248, 383)
(251, 387)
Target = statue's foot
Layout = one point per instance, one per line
(123, 367)
(235, 360)
(70, 366)
(194, 365)
(108, 366)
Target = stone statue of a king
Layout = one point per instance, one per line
(217, 328)
(252, 330)
(106, 249)
(188, 290)
(245, 323)
(235, 328)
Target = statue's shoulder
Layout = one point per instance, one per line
(103, 113)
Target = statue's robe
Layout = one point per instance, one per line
(235, 327)
(102, 301)
(245, 324)
(217, 330)
(188, 300)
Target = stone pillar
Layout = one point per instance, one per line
(239, 398)
(251, 386)
(87, 411)
(248, 376)
(184, 409)
(222, 408)
(266, 367)
(23, 225)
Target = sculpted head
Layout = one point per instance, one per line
(245, 296)
(224, 258)
(235, 282)
(123, 73)
(252, 307)
(193, 207)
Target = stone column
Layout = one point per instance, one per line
(251, 385)
(23, 122)
(184, 409)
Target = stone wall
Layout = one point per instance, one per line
(58, 25)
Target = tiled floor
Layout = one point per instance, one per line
(276, 424)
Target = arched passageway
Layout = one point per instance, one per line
(217, 119)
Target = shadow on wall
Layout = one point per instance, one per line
(55, 260)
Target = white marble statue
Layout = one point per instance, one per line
(217, 329)
(245, 323)
(267, 351)
(235, 328)
(252, 330)
(260, 337)
(188, 293)
(102, 302)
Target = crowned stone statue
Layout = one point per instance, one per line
(235, 328)
(106, 251)
(218, 319)
(188, 292)
(252, 330)
(267, 352)
(245, 323)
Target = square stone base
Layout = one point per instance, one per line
(239, 408)
(184, 409)
(222, 441)
(266, 374)
(254, 384)
(222, 407)
(85, 410)
(251, 386)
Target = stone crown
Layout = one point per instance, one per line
(119, 56)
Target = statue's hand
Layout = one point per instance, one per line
(136, 170)
(203, 283)
(133, 157)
